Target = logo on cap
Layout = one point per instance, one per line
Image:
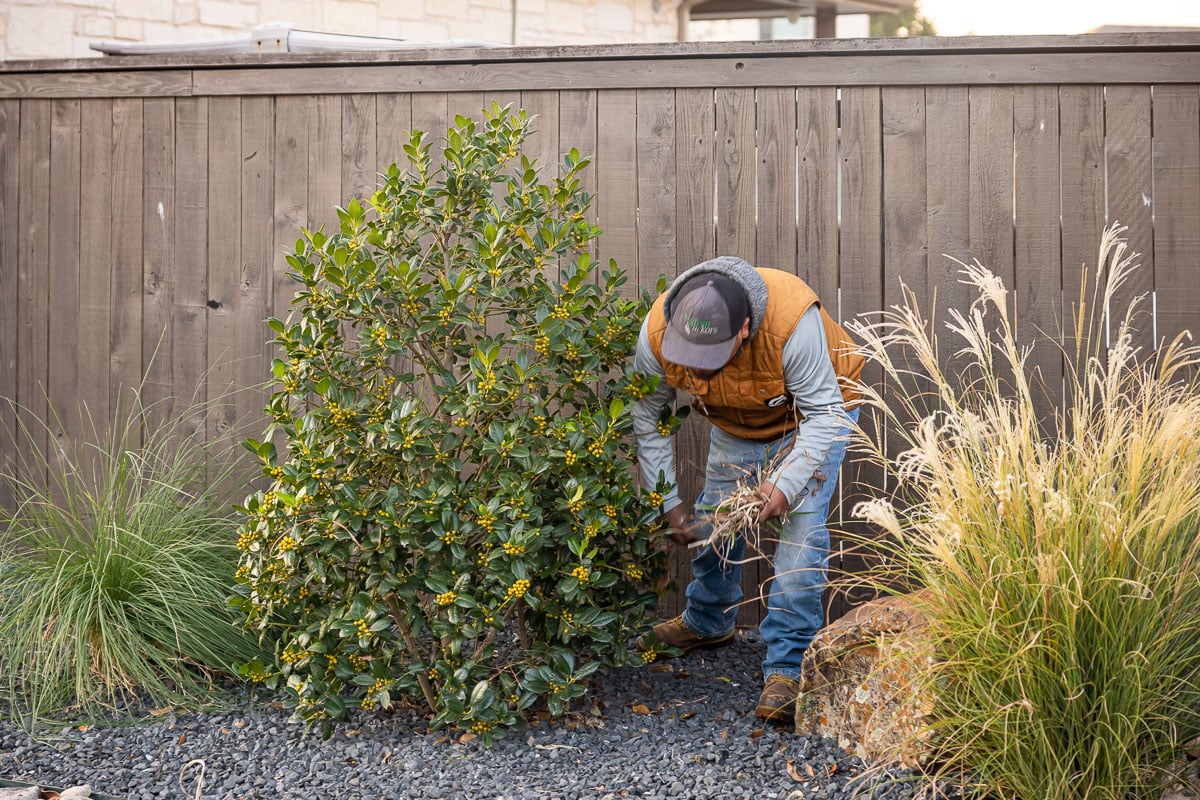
(706, 314)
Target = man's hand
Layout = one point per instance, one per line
(681, 523)
(776, 505)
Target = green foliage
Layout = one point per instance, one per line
(1063, 567)
(454, 519)
(905, 22)
(115, 570)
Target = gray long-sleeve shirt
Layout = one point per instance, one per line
(811, 382)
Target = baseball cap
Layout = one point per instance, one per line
(706, 315)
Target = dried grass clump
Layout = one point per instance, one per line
(737, 515)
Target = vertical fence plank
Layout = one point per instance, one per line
(616, 177)
(63, 310)
(695, 241)
(1081, 159)
(734, 163)
(991, 178)
(189, 334)
(1127, 157)
(577, 128)
(904, 193)
(656, 185)
(861, 229)
(393, 122)
(430, 114)
(358, 147)
(290, 193)
(1037, 272)
(948, 220)
(905, 249)
(694, 177)
(224, 263)
(126, 288)
(905, 245)
(817, 259)
(1131, 191)
(1176, 209)
(775, 134)
(95, 258)
(861, 282)
(542, 144)
(158, 222)
(10, 138)
(33, 261)
(657, 244)
(255, 281)
(324, 164)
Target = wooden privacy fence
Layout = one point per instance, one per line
(146, 203)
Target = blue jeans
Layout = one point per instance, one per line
(793, 597)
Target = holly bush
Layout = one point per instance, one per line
(452, 518)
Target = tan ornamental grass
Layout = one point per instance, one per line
(1055, 529)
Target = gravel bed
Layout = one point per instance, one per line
(699, 739)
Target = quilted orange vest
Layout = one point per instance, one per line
(748, 398)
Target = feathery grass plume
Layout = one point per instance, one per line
(1062, 559)
(115, 569)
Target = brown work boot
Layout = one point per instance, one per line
(777, 703)
(673, 633)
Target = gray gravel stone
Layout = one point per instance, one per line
(700, 740)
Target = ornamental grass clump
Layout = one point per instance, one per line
(115, 570)
(451, 518)
(1061, 555)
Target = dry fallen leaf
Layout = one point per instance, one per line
(757, 733)
(466, 737)
(662, 668)
(794, 773)
(158, 712)
(640, 708)
(182, 739)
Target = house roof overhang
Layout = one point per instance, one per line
(737, 9)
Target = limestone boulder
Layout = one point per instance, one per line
(861, 683)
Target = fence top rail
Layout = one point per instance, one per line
(1157, 41)
(1097, 59)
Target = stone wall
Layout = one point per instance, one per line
(64, 28)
